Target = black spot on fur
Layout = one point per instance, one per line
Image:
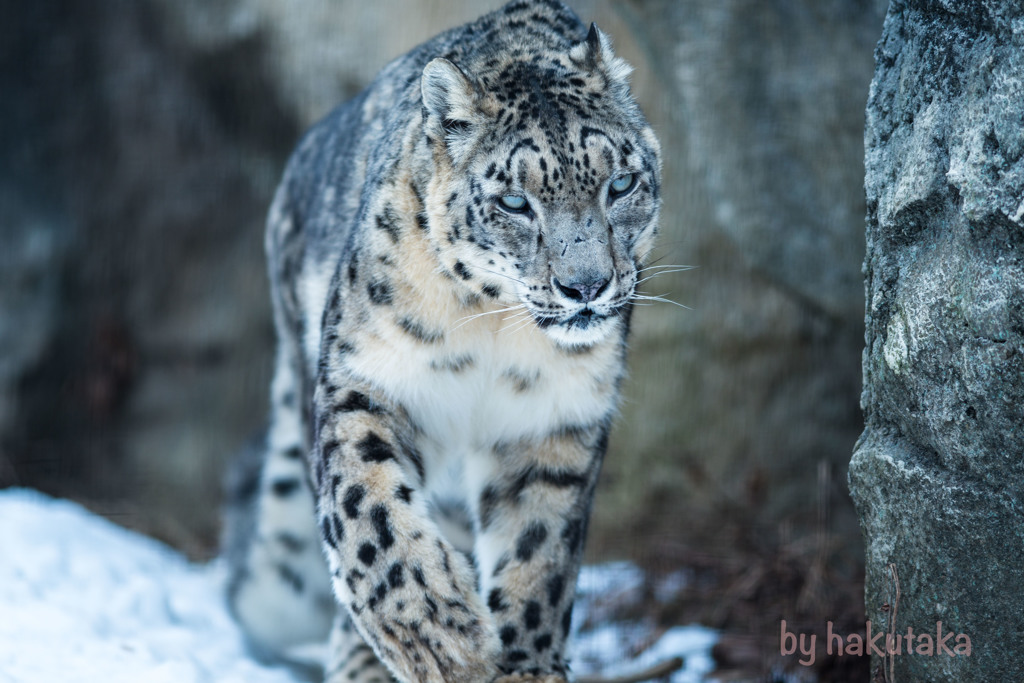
(388, 222)
(374, 449)
(417, 575)
(531, 615)
(396, 576)
(357, 401)
(448, 364)
(491, 291)
(382, 525)
(293, 453)
(489, 500)
(283, 488)
(520, 381)
(336, 528)
(508, 635)
(495, 601)
(379, 593)
(353, 497)
(327, 534)
(514, 7)
(367, 554)
(380, 292)
(328, 448)
(445, 562)
(573, 534)
(567, 621)
(460, 270)
(431, 608)
(403, 493)
(542, 642)
(416, 330)
(530, 540)
(417, 461)
(353, 578)
(556, 586)
(558, 478)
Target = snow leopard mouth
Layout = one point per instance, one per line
(583, 328)
(583, 319)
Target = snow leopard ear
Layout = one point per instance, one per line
(451, 100)
(594, 53)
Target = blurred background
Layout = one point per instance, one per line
(140, 143)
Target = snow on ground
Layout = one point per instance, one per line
(83, 599)
(616, 648)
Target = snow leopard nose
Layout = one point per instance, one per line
(585, 291)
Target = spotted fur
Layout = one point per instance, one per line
(448, 360)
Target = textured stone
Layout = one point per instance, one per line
(740, 403)
(33, 245)
(937, 474)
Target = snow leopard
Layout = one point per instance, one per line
(454, 257)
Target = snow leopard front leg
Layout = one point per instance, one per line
(532, 517)
(411, 595)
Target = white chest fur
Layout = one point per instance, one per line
(486, 384)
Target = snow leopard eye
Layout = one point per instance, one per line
(621, 185)
(514, 203)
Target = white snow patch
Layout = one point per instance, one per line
(83, 599)
(615, 649)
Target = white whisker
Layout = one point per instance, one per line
(507, 277)
(462, 321)
(664, 272)
(668, 265)
(526, 323)
(517, 320)
(661, 298)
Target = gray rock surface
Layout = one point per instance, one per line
(938, 475)
(741, 402)
(34, 241)
(154, 164)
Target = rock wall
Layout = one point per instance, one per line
(158, 129)
(937, 474)
(737, 406)
(135, 174)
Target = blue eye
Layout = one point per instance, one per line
(621, 185)
(514, 203)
